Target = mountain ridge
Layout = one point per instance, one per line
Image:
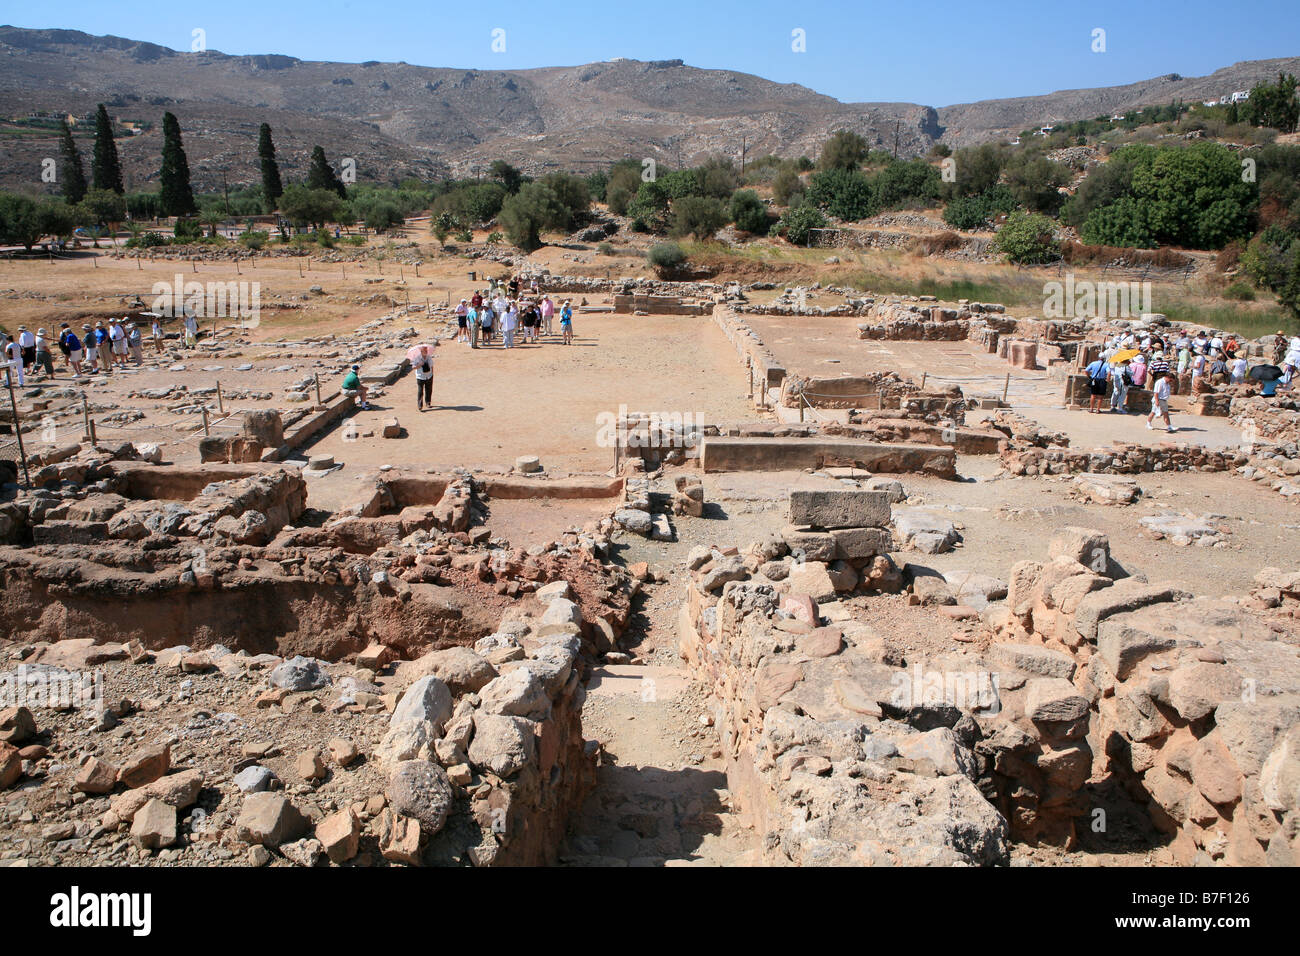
(397, 119)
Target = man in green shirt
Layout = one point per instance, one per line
(352, 386)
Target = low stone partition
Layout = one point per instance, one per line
(1191, 703)
(1120, 458)
(725, 453)
(659, 305)
(815, 762)
(768, 372)
(875, 390)
(1275, 420)
(484, 750)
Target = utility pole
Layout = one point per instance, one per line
(744, 146)
(896, 125)
(225, 188)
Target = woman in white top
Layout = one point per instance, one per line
(13, 354)
(155, 329)
(508, 323)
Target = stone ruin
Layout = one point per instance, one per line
(847, 747)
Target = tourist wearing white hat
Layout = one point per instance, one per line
(27, 344)
(155, 329)
(134, 343)
(462, 324)
(43, 359)
(92, 353)
(117, 342)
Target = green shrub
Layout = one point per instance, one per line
(147, 240)
(252, 239)
(748, 212)
(1026, 239)
(605, 249)
(798, 222)
(1239, 291)
(187, 229)
(698, 216)
(666, 257)
(495, 237)
(525, 214)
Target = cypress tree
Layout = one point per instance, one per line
(320, 175)
(74, 175)
(272, 188)
(105, 170)
(176, 198)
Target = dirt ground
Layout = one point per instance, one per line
(662, 797)
(492, 405)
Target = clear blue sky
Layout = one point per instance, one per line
(934, 52)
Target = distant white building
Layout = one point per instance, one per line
(1241, 96)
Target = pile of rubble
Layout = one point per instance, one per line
(1192, 703)
(465, 755)
(846, 745)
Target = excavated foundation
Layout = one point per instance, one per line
(454, 664)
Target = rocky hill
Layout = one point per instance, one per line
(969, 123)
(398, 120)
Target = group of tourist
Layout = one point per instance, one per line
(101, 348)
(1129, 360)
(501, 309)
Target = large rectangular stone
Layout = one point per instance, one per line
(1119, 598)
(809, 545)
(839, 509)
(851, 543)
(790, 453)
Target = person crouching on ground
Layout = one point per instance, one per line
(424, 379)
(352, 386)
(1160, 401)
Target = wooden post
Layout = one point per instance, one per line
(1006, 386)
(90, 425)
(18, 428)
(801, 404)
(194, 263)
(206, 431)
(923, 376)
(139, 265)
(221, 405)
(751, 381)
(316, 375)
